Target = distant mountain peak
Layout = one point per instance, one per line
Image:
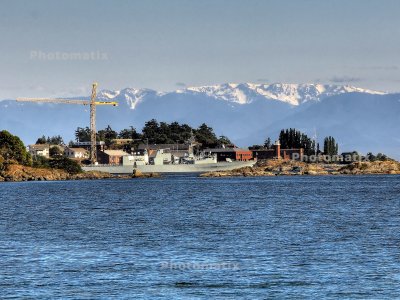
(130, 95)
(244, 93)
(292, 93)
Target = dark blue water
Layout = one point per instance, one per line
(192, 238)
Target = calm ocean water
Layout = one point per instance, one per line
(183, 237)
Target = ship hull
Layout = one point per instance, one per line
(181, 168)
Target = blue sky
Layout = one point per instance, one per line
(166, 44)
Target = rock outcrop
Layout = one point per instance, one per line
(17, 172)
(377, 167)
(275, 167)
(138, 174)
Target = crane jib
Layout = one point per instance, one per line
(92, 102)
(65, 101)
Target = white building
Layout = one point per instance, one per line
(79, 153)
(39, 150)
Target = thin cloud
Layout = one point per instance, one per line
(35, 88)
(385, 68)
(344, 79)
(262, 80)
(180, 84)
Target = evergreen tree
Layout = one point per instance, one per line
(55, 140)
(12, 148)
(294, 139)
(268, 143)
(107, 135)
(151, 131)
(206, 136)
(371, 157)
(82, 134)
(42, 140)
(330, 146)
(224, 141)
(129, 133)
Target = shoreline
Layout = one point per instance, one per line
(297, 168)
(267, 168)
(19, 173)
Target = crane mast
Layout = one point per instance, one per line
(92, 103)
(93, 146)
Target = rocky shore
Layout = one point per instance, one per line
(23, 173)
(290, 167)
(139, 174)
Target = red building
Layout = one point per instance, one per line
(277, 153)
(243, 155)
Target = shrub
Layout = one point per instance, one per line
(55, 151)
(40, 162)
(64, 163)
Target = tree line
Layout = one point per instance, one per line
(292, 138)
(155, 132)
(54, 140)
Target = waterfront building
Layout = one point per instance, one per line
(77, 153)
(39, 150)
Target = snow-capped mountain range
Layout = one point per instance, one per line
(244, 93)
(359, 119)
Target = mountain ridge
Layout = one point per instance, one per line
(244, 93)
(359, 119)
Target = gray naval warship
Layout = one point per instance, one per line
(171, 168)
(161, 162)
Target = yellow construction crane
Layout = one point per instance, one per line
(93, 103)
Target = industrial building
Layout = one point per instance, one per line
(233, 154)
(277, 153)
